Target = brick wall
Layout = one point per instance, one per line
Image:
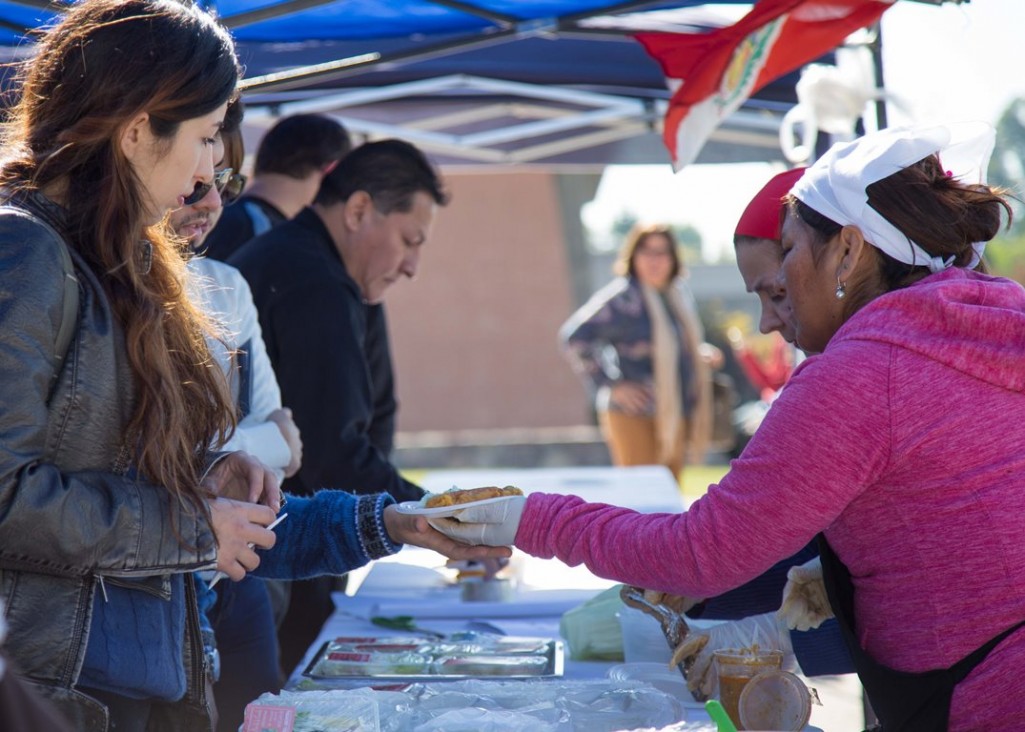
(474, 335)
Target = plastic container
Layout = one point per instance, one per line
(478, 589)
(643, 639)
(735, 669)
(774, 700)
(663, 678)
(355, 644)
(500, 644)
(490, 665)
(346, 663)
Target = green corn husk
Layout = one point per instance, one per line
(591, 630)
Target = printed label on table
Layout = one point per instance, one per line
(268, 718)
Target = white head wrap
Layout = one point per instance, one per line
(835, 184)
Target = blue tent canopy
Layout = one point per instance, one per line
(475, 81)
(301, 21)
(291, 20)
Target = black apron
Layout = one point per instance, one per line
(903, 701)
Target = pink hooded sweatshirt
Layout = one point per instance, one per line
(905, 443)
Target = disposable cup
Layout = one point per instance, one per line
(775, 700)
(643, 639)
(478, 589)
(735, 669)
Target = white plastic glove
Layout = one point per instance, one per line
(695, 653)
(679, 604)
(805, 603)
(494, 524)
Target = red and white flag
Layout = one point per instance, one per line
(712, 74)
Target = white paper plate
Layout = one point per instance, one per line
(417, 509)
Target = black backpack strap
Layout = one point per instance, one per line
(243, 356)
(69, 313)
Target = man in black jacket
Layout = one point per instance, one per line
(311, 279)
(291, 161)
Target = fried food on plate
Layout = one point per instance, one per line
(457, 496)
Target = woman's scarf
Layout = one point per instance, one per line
(671, 424)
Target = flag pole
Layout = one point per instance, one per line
(876, 46)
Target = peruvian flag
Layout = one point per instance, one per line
(712, 74)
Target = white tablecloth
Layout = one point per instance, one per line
(416, 583)
(645, 488)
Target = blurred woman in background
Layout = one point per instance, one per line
(638, 343)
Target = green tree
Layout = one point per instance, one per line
(1007, 166)
(689, 240)
(1005, 256)
(622, 224)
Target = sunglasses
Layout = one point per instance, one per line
(228, 183)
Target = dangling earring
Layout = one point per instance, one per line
(841, 289)
(145, 256)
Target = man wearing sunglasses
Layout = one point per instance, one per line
(265, 429)
(201, 210)
(291, 161)
(242, 618)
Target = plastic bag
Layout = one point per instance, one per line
(592, 630)
(338, 711)
(484, 720)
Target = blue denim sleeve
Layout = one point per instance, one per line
(205, 598)
(330, 532)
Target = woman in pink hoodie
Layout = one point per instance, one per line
(900, 445)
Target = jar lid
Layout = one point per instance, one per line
(774, 700)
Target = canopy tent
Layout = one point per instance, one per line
(475, 81)
(502, 82)
(512, 82)
(403, 67)
(553, 82)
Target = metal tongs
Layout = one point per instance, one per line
(674, 627)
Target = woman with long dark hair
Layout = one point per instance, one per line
(108, 396)
(638, 343)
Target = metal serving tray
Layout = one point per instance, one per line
(554, 655)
